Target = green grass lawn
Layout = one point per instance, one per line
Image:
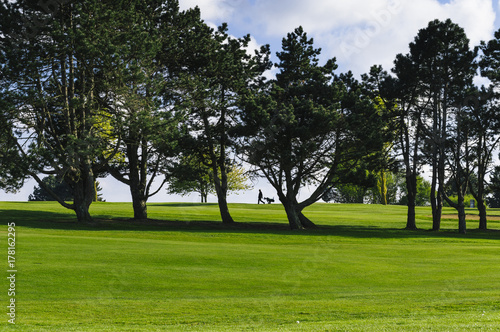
(359, 271)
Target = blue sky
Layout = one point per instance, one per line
(359, 33)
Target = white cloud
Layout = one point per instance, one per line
(477, 17)
(252, 45)
(363, 33)
(315, 16)
(359, 33)
(213, 10)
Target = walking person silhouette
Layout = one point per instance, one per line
(260, 198)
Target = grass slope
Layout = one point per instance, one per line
(358, 272)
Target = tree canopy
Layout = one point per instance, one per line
(55, 80)
(308, 126)
(153, 95)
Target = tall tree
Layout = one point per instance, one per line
(307, 126)
(439, 68)
(458, 152)
(11, 175)
(145, 126)
(484, 120)
(494, 188)
(481, 116)
(375, 85)
(54, 76)
(218, 71)
(398, 96)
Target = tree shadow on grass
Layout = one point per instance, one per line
(64, 221)
(182, 204)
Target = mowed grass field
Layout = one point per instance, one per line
(184, 271)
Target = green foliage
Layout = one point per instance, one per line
(85, 89)
(307, 125)
(126, 87)
(494, 187)
(58, 80)
(441, 60)
(193, 175)
(352, 185)
(349, 193)
(356, 192)
(216, 72)
(433, 80)
(467, 199)
(60, 188)
(423, 193)
(12, 174)
(144, 127)
(490, 59)
(394, 186)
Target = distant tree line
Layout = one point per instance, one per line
(153, 96)
(374, 192)
(61, 189)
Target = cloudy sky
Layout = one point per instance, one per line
(359, 33)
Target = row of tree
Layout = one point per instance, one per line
(126, 88)
(443, 120)
(388, 188)
(142, 91)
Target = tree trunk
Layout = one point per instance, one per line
(438, 141)
(383, 188)
(292, 215)
(139, 203)
(137, 180)
(203, 192)
(222, 200)
(460, 207)
(437, 205)
(96, 198)
(306, 222)
(410, 218)
(296, 219)
(483, 222)
(462, 224)
(479, 197)
(411, 188)
(436, 217)
(221, 191)
(220, 184)
(224, 210)
(83, 194)
(82, 212)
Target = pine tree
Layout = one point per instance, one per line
(53, 62)
(217, 72)
(144, 126)
(435, 75)
(308, 126)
